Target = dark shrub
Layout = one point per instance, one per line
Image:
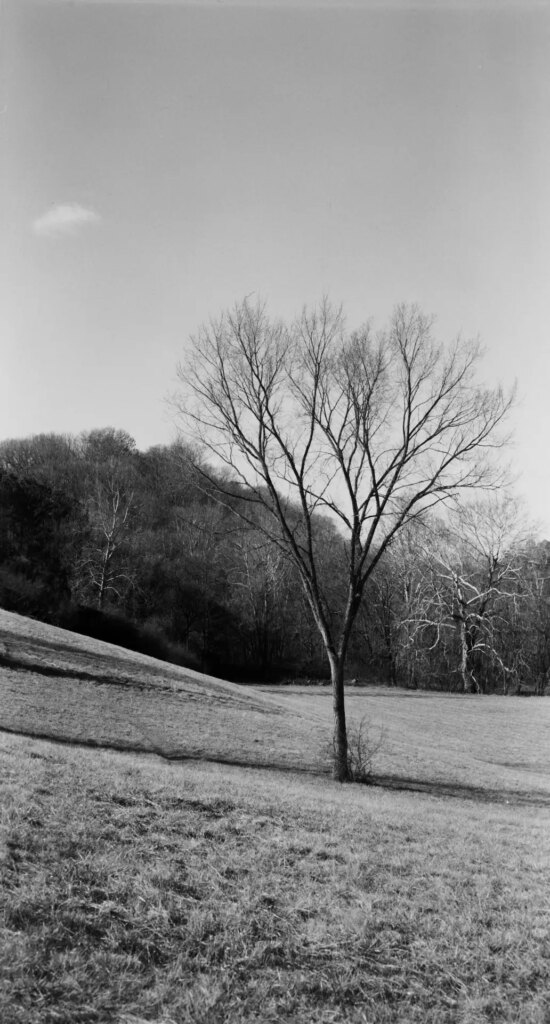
(19, 593)
(115, 629)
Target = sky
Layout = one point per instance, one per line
(160, 161)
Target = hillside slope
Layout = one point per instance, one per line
(61, 685)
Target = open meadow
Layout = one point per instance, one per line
(174, 889)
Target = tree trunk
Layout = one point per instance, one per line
(103, 575)
(341, 771)
(469, 682)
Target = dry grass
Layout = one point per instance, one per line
(61, 685)
(137, 890)
(58, 684)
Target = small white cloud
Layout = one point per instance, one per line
(64, 219)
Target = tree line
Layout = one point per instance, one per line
(97, 535)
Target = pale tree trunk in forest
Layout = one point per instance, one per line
(104, 574)
(469, 682)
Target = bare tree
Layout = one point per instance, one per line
(373, 429)
(110, 510)
(485, 572)
(469, 567)
(109, 470)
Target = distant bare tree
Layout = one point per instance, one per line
(373, 429)
(468, 569)
(490, 535)
(108, 457)
(109, 509)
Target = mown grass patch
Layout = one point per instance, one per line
(135, 890)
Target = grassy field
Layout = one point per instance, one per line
(140, 889)
(59, 685)
(448, 742)
(136, 890)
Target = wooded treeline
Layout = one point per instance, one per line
(133, 547)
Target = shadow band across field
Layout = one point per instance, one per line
(392, 782)
(459, 790)
(57, 672)
(174, 756)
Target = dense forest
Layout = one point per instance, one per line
(136, 548)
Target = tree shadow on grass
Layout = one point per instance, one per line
(392, 782)
(460, 791)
